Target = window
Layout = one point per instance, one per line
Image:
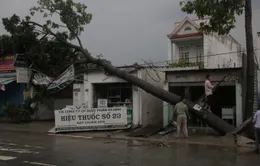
(187, 29)
(184, 52)
(199, 55)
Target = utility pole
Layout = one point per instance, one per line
(249, 105)
(244, 84)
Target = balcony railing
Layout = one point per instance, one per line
(217, 61)
(182, 64)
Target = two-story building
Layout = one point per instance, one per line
(192, 55)
(209, 51)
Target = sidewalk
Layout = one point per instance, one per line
(41, 127)
(167, 139)
(198, 137)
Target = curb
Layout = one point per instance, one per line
(10, 130)
(163, 142)
(23, 131)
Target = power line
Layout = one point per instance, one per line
(210, 55)
(166, 61)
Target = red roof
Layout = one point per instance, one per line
(176, 36)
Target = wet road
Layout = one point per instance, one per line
(18, 149)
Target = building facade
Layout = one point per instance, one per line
(192, 55)
(190, 46)
(10, 90)
(145, 108)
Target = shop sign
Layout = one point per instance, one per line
(80, 118)
(22, 75)
(7, 63)
(102, 103)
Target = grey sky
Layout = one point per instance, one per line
(127, 31)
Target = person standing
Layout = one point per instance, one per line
(208, 92)
(256, 120)
(181, 111)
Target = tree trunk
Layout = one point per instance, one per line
(210, 119)
(250, 60)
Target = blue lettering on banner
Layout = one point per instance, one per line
(80, 119)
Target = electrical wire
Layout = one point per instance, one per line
(172, 61)
(209, 55)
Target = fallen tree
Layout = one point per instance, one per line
(73, 17)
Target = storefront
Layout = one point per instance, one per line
(114, 95)
(10, 90)
(101, 90)
(227, 97)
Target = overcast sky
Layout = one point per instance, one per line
(127, 31)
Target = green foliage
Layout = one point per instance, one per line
(20, 113)
(73, 15)
(48, 55)
(182, 63)
(48, 50)
(221, 13)
(5, 45)
(22, 35)
(48, 45)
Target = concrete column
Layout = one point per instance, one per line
(170, 50)
(86, 88)
(136, 106)
(239, 113)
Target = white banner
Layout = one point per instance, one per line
(66, 77)
(22, 75)
(41, 79)
(79, 118)
(61, 82)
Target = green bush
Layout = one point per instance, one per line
(20, 113)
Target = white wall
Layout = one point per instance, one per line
(170, 50)
(173, 53)
(215, 52)
(100, 77)
(146, 108)
(187, 24)
(78, 94)
(152, 107)
(212, 45)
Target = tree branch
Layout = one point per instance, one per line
(52, 33)
(79, 48)
(76, 35)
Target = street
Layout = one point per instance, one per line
(25, 149)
